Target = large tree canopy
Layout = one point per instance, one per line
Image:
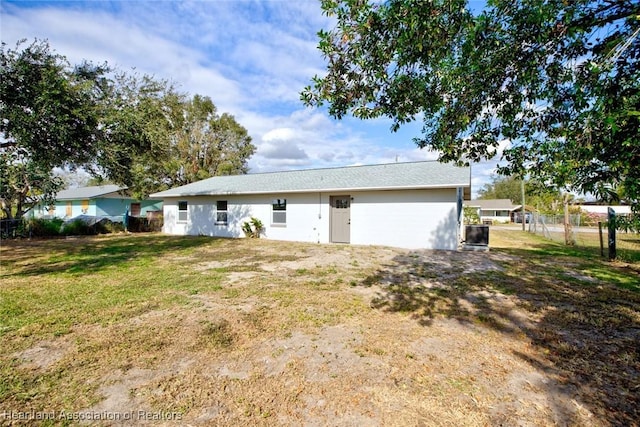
(48, 118)
(557, 81)
(504, 187)
(47, 107)
(191, 142)
(132, 130)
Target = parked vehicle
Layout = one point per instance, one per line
(518, 217)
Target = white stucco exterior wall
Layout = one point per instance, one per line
(307, 216)
(401, 218)
(407, 219)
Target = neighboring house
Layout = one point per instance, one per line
(408, 205)
(99, 201)
(494, 210)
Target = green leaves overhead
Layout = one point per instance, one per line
(46, 107)
(380, 56)
(558, 81)
(49, 116)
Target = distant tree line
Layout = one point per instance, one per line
(543, 199)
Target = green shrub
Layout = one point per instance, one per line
(42, 227)
(107, 227)
(628, 223)
(77, 227)
(136, 224)
(253, 228)
(142, 224)
(155, 224)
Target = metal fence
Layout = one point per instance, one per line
(589, 231)
(10, 228)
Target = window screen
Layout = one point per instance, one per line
(279, 211)
(182, 211)
(221, 212)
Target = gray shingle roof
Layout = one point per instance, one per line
(88, 192)
(375, 177)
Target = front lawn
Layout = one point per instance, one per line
(194, 330)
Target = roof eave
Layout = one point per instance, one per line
(160, 195)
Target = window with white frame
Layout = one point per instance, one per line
(182, 211)
(279, 212)
(221, 212)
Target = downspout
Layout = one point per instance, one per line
(319, 217)
(460, 194)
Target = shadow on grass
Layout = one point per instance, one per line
(86, 255)
(586, 311)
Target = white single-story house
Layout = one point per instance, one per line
(407, 205)
(494, 210)
(98, 201)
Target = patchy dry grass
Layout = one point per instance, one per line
(207, 331)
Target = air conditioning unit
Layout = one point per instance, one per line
(477, 235)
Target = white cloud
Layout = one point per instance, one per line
(252, 58)
(502, 145)
(326, 143)
(100, 37)
(282, 150)
(282, 134)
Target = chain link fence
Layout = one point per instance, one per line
(590, 231)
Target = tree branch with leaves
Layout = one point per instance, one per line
(559, 81)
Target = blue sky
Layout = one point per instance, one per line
(252, 58)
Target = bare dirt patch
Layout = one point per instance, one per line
(44, 354)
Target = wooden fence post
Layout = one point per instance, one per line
(612, 233)
(601, 239)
